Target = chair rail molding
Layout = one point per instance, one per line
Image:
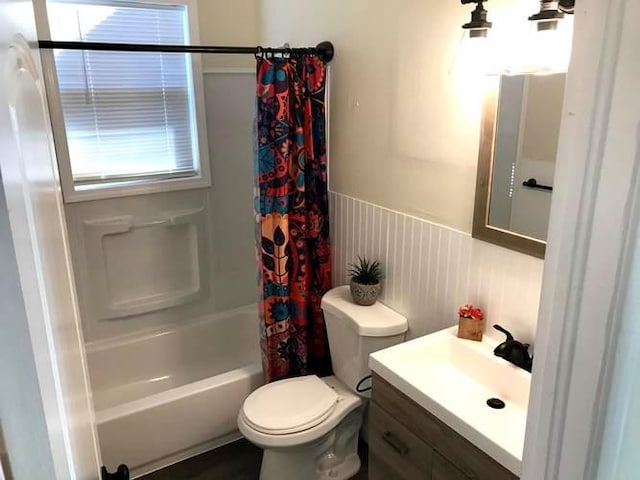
(594, 214)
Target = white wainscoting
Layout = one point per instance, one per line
(432, 269)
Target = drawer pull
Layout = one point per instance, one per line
(395, 443)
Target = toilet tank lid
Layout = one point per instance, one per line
(378, 320)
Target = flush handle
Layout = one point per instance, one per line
(395, 443)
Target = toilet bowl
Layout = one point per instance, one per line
(304, 439)
(307, 426)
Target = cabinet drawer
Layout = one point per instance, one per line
(394, 452)
(443, 470)
(453, 447)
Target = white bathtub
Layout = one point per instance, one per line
(166, 395)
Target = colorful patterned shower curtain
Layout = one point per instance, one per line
(293, 216)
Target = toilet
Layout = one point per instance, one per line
(308, 426)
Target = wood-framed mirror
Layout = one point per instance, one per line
(516, 163)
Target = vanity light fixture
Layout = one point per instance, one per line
(567, 6)
(479, 25)
(547, 48)
(474, 52)
(549, 15)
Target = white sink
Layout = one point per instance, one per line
(453, 379)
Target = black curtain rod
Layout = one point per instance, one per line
(323, 50)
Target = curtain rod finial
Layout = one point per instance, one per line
(326, 51)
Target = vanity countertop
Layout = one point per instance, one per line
(453, 379)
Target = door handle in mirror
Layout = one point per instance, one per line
(533, 183)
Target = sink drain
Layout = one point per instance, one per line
(496, 403)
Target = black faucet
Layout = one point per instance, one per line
(513, 351)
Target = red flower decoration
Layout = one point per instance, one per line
(469, 311)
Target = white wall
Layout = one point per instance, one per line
(431, 270)
(619, 457)
(224, 22)
(404, 126)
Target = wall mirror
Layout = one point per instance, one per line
(516, 165)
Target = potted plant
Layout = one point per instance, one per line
(470, 323)
(365, 281)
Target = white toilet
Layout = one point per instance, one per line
(309, 426)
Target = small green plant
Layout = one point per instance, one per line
(366, 272)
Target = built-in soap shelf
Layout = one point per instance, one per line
(141, 264)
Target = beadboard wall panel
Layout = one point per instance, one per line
(431, 269)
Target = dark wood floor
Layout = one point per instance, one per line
(237, 461)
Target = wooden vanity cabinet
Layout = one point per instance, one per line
(408, 443)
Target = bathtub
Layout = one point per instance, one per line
(165, 395)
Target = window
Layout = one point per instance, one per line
(130, 118)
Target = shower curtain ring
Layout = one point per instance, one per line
(259, 53)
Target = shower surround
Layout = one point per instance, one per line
(166, 286)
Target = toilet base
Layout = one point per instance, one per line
(275, 466)
(334, 456)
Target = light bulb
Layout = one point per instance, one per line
(545, 50)
(470, 73)
(474, 56)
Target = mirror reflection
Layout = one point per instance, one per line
(527, 127)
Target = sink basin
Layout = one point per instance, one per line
(453, 379)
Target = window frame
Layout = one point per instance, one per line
(111, 189)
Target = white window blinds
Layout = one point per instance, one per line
(128, 115)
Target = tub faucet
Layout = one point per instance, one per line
(513, 351)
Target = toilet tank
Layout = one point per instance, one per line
(355, 332)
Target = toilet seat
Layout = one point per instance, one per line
(290, 406)
(347, 402)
